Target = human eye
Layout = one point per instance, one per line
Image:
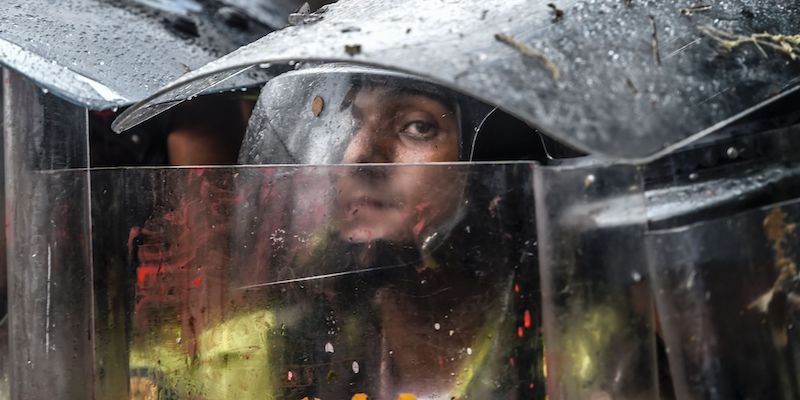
(420, 130)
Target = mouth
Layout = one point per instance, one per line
(362, 202)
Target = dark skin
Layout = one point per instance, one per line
(398, 203)
(208, 131)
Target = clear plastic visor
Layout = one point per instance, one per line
(347, 115)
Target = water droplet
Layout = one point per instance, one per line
(328, 347)
(356, 367)
(636, 276)
(589, 180)
(437, 326)
(469, 351)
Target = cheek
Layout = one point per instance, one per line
(441, 151)
(431, 193)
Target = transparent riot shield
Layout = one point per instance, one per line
(728, 296)
(292, 282)
(600, 340)
(52, 343)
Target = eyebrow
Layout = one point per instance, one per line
(396, 94)
(395, 90)
(400, 91)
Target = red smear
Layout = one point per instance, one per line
(441, 362)
(418, 227)
(143, 272)
(527, 319)
(197, 281)
(516, 289)
(520, 333)
(511, 361)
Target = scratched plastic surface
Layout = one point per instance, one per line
(293, 282)
(600, 337)
(624, 79)
(729, 304)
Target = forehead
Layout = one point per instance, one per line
(372, 94)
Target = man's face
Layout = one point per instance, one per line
(390, 202)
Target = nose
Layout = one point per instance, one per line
(369, 145)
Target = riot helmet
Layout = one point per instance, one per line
(313, 115)
(346, 114)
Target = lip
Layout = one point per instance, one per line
(367, 202)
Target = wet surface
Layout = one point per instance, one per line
(633, 79)
(107, 54)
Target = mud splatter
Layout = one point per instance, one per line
(689, 11)
(557, 12)
(654, 41)
(317, 105)
(530, 52)
(786, 44)
(776, 229)
(352, 49)
(493, 205)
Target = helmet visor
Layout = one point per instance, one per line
(344, 114)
